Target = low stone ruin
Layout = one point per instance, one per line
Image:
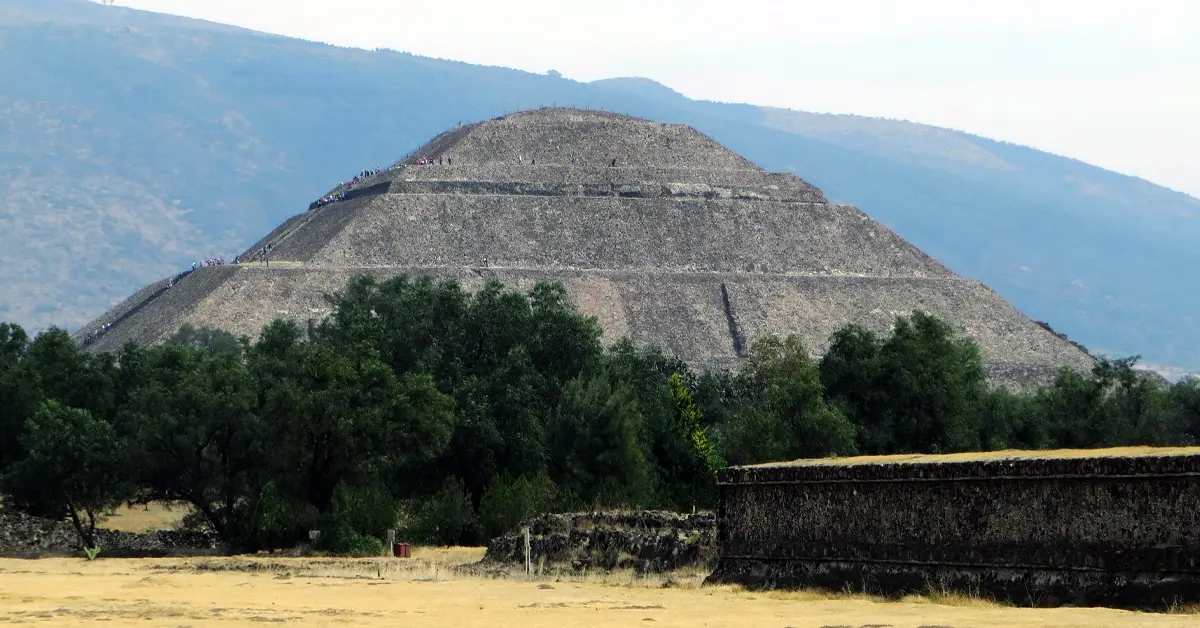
(646, 541)
(1117, 527)
(24, 536)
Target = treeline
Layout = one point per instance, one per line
(452, 416)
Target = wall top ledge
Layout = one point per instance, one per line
(1064, 463)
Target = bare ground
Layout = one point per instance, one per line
(427, 591)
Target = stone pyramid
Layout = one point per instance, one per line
(658, 231)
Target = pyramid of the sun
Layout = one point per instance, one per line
(682, 243)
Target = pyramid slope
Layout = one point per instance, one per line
(684, 244)
(611, 233)
(682, 312)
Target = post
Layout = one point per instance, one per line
(390, 549)
(528, 566)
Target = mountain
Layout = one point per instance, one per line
(133, 143)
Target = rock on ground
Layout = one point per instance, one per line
(22, 535)
(642, 540)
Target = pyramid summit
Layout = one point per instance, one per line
(657, 230)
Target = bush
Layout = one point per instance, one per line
(506, 504)
(278, 520)
(445, 518)
(368, 510)
(338, 537)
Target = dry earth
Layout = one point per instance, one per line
(424, 592)
(147, 517)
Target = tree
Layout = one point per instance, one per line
(596, 448)
(678, 453)
(931, 378)
(1115, 405)
(214, 341)
(781, 412)
(342, 418)
(505, 503)
(915, 391)
(192, 415)
(74, 469)
(18, 398)
(1184, 398)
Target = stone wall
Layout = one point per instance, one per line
(783, 185)
(607, 233)
(1109, 529)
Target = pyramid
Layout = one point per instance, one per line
(655, 229)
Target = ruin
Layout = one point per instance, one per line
(1117, 527)
(682, 243)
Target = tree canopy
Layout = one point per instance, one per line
(455, 415)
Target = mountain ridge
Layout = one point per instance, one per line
(128, 153)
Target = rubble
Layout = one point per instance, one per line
(646, 541)
(25, 536)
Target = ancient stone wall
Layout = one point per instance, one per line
(1111, 529)
(613, 234)
(768, 184)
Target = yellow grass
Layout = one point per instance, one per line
(427, 591)
(1009, 454)
(146, 518)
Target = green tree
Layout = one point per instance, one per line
(679, 456)
(700, 461)
(1113, 406)
(193, 417)
(74, 469)
(447, 517)
(18, 397)
(916, 391)
(506, 504)
(1184, 399)
(343, 417)
(596, 447)
(214, 341)
(781, 412)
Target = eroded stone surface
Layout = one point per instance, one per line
(22, 536)
(1113, 530)
(646, 540)
(667, 246)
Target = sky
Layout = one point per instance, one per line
(1115, 83)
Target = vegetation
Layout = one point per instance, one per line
(455, 415)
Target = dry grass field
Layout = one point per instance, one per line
(147, 517)
(427, 591)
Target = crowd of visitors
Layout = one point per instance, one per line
(345, 187)
(212, 261)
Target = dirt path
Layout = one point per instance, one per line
(156, 592)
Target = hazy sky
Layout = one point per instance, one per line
(1112, 82)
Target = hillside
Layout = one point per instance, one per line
(134, 143)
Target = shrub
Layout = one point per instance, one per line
(446, 517)
(506, 504)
